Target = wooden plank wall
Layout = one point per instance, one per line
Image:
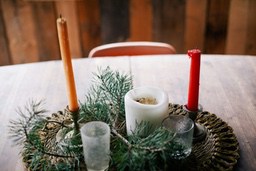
(28, 27)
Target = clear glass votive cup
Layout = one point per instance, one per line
(183, 129)
(96, 145)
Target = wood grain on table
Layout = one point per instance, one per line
(227, 88)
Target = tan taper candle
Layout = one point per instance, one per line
(66, 58)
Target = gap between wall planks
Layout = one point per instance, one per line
(169, 22)
(251, 30)
(5, 54)
(216, 26)
(115, 21)
(28, 27)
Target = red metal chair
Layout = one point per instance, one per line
(131, 49)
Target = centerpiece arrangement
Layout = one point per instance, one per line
(138, 139)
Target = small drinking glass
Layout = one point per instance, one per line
(183, 128)
(96, 145)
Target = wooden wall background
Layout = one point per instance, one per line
(28, 27)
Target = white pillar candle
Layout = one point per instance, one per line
(136, 112)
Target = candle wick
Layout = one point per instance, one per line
(60, 16)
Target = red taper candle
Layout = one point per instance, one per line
(194, 78)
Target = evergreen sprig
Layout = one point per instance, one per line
(29, 116)
(105, 99)
(47, 146)
(37, 134)
(142, 151)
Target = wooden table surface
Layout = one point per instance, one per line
(227, 88)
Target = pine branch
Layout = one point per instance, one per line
(32, 112)
(122, 138)
(57, 122)
(37, 134)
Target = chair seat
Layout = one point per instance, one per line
(132, 49)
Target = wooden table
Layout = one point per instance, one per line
(227, 89)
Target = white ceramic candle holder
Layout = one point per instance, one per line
(136, 112)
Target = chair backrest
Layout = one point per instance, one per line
(131, 49)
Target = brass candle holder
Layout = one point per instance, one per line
(75, 117)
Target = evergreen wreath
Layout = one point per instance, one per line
(49, 142)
